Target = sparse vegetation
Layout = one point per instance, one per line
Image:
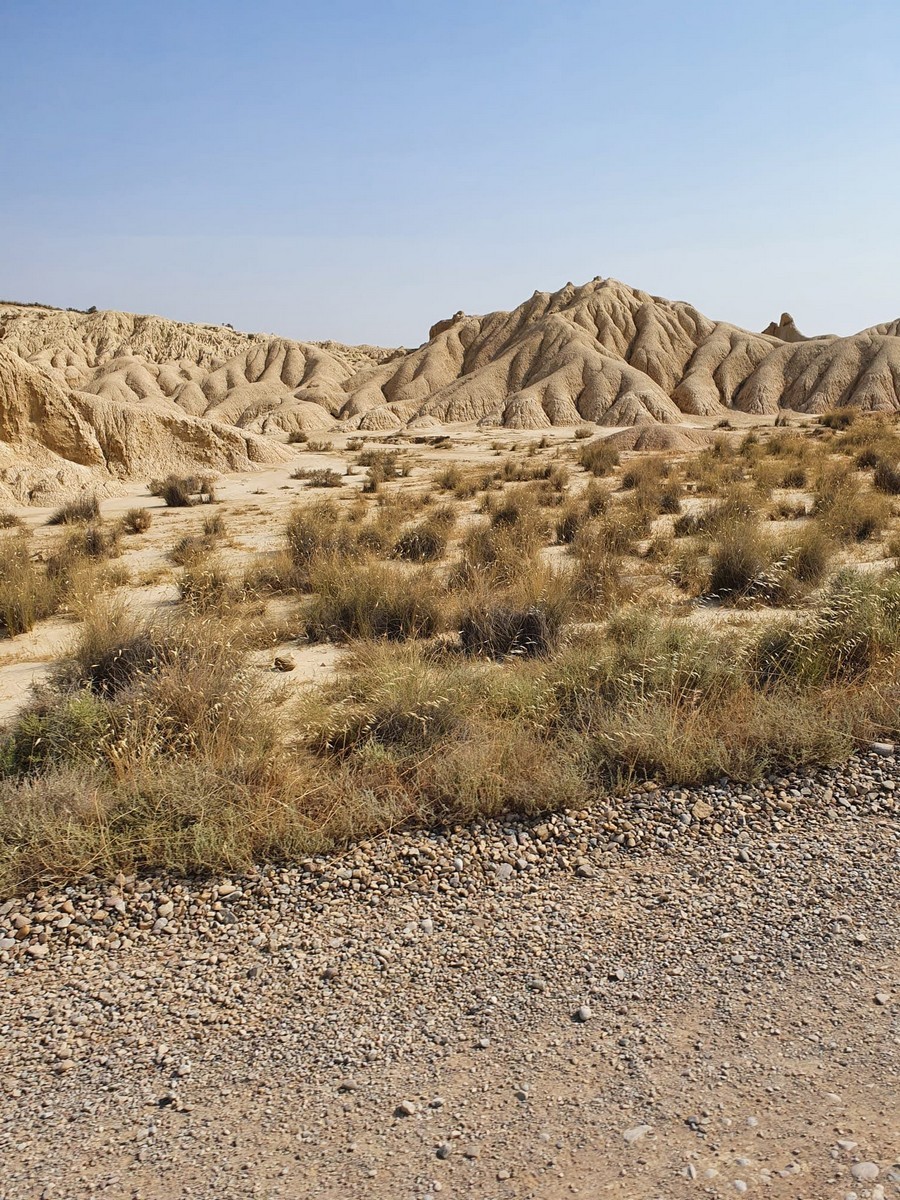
(324, 477)
(77, 512)
(517, 647)
(600, 458)
(137, 520)
(183, 491)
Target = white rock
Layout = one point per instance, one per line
(635, 1133)
(865, 1172)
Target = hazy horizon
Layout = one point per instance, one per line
(360, 173)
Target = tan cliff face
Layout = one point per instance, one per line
(127, 395)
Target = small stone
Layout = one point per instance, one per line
(406, 1108)
(582, 1014)
(444, 1150)
(865, 1172)
(635, 1133)
(504, 872)
(885, 749)
(284, 662)
(503, 1174)
(883, 998)
(701, 811)
(740, 1186)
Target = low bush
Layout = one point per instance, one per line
(495, 630)
(838, 418)
(600, 458)
(183, 491)
(886, 478)
(321, 530)
(321, 478)
(374, 600)
(427, 541)
(137, 520)
(847, 511)
(77, 512)
(748, 564)
(26, 594)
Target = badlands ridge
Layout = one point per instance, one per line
(88, 396)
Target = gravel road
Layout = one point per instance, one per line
(684, 994)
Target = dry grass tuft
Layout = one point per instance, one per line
(137, 520)
(77, 512)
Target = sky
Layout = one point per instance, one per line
(360, 170)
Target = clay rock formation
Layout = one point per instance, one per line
(609, 353)
(54, 441)
(113, 392)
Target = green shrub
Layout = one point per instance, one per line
(71, 729)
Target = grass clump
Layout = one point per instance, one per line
(599, 458)
(748, 564)
(137, 520)
(495, 630)
(886, 478)
(77, 512)
(847, 511)
(184, 491)
(427, 541)
(374, 600)
(26, 594)
(324, 477)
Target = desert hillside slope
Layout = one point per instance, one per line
(606, 352)
(126, 394)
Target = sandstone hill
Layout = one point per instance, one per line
(608, 353)
(131, 395)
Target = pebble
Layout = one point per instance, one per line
(636, 1133)
(328, 983)
(865, 1172)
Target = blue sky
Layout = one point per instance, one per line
(360, 170)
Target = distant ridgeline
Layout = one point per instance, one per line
(121, 393)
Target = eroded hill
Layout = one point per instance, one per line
(127, 395)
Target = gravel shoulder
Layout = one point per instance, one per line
(691, 993)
